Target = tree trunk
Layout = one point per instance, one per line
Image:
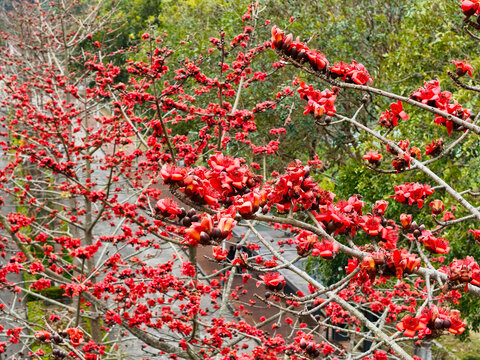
(424, 350)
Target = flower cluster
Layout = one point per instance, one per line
(464, 271)
(432, 319)
(168, 208)
(394, 263)
(389, 118)
(86, 252)
(312, 349)
(412, 193)
(308, 243)
(202, 229)
(227, 177)
(76, 336)
(340, 217)
(378, 226)
(402, 160)
(432, 95)
(318, 102)
(352, 73)
(297, 188)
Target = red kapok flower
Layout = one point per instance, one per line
(397, 110)
(273, 281)
(435, 148)
(462, 67)
(401, 162)
(219, 253)
(380, 207)
(410, 325)
(373, 157)
(372, 225)
(470, 7)
(167, 208)
(326, 249)
(437, 207)
(437, 245)
(476, 234)
(412, 193)
(406, 220)
(226, 225)
(76, 336)
(457, 326)
(278, 37)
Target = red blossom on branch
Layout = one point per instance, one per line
(412, 193)
(462, 67)
(410, 325)
(273, 281)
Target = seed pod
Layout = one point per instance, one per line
(182, 214)
(216, 233)
(438, 323)
(301, 55)
(57, 338)
(186, 221)
(204, 238)
(279, 287)
(294, 53)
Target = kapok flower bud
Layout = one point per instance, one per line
(406, 220)
(437, 207)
